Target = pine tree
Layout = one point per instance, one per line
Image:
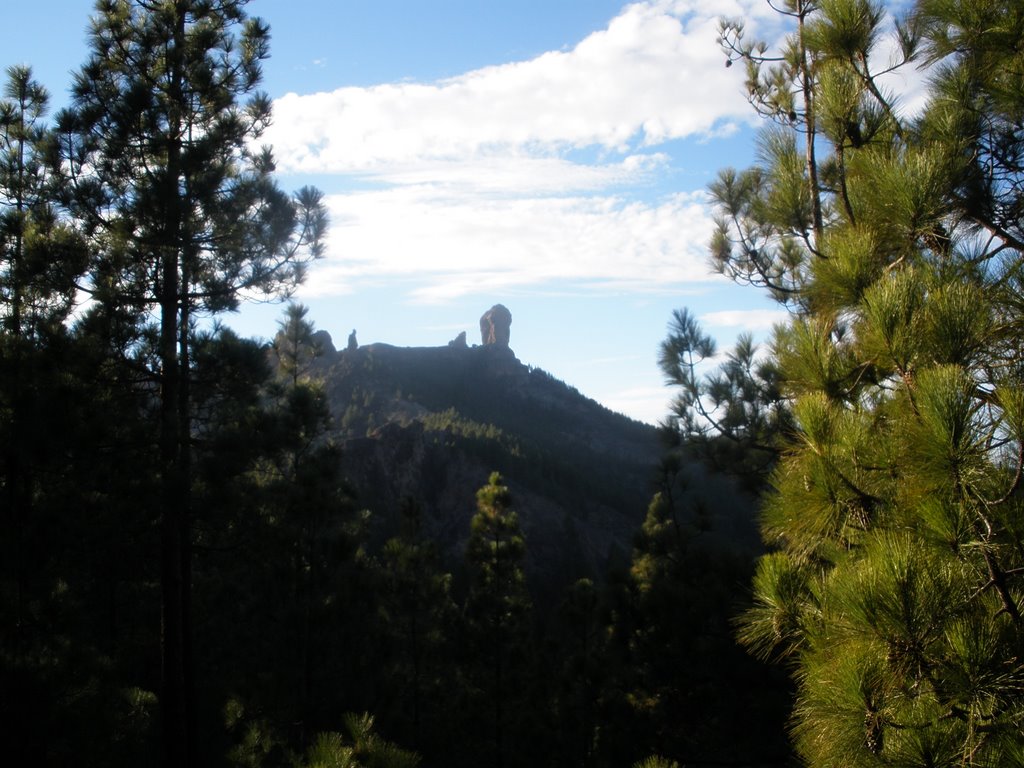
(359, 747)
(315, 537)
(186, 220)
(579, 663)
(40, 256)
(311, 506)
(895, 587)
(677, 666)
(733, 418)
(22, 108)
(295, 345)
(497, 613)
(418, 622)
(40, 259)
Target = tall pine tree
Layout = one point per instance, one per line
(895, 510)
(186, 220)
(497, 613)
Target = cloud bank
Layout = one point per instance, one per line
(565, 168)
(523, 174)
(654, 74)
(455, 244)
(747, 319)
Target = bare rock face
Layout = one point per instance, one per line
(495, 326)
(322, 340)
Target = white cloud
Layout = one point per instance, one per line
(746, 319)
(655, 73)
(526, 175)
(457, 243)
(537, 173)
(516, 172)
(615, 360)
(648, 404)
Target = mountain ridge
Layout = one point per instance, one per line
(427, 426)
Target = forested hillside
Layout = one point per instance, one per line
(226, 551)
(428, 425)
(219, 551)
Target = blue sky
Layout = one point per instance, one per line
(548, 155)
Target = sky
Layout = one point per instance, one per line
(549, 155)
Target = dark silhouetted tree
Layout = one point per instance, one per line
(418, 624)
(498, 618)
(186, 220)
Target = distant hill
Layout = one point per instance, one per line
(427, 426)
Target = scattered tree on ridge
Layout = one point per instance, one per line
(497, 614)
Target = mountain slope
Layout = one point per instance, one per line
(427, 425)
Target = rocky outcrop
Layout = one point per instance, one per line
(324, 343)
(495, 326)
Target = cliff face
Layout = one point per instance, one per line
(428, 426)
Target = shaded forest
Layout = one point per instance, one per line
(214, 550)
(191, 572)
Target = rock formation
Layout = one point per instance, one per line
(324, 343)
(459, 342)
(495, 326)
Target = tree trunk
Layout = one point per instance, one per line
(807, 86)
(173, 529)
(176, 683)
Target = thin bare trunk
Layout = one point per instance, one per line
(176, 716)
(807, 86)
